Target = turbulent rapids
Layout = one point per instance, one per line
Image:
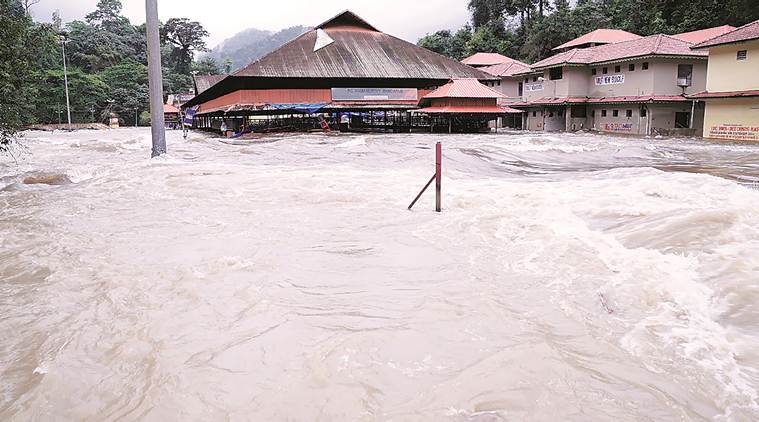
(569, 277)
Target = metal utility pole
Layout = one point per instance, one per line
(66, 78)
(155, 80)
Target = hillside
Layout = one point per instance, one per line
(252, 44)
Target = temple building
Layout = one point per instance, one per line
(732, 84)
(343, 73)
(464, 105)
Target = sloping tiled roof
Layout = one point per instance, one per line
(600, 36)
(574, 56)
(726, 94)
(507, 69)
(486, 59)
(654, 45)
(747, 32)
(358, 51)
(464, 88)
(168, 108)
(203, 82)
(695, 37)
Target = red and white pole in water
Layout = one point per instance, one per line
(437, 177)
(438, 174)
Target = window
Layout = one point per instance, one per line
(520, 88)
(643, 112)
(615, 113)
(499, 83)
(682, 120)
(592, 113)
(526, 80)
(550, 114)
(629, 113)
(555, 73)
(534, 78)
(631, 67)
(605, 70)
(534, 114)
(561, 112)
(684, 74)
(578, 111)
(742, 54)
(603, 113)
(617, 69)
(593, 71)
(645, 66)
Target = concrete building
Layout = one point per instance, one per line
(638, 86)
(510, 86)
(732, 85)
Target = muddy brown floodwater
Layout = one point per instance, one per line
(569, 278)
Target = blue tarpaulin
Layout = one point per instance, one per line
(300, 108)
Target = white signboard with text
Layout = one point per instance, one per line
(610, 79)
(533, 87)
(374, 94)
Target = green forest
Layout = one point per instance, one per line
(107, 65)
(527, 30)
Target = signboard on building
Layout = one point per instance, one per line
(618, 127)
(734, 131)
(374, 94)
(610, 79)
(533, 87)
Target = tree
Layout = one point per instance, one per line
(106, 12)
(87, 94)
(206, 66)
(186, 37)
(28, 5)
(23, 42)
(455, 45)
(127, 87)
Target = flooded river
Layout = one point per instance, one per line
(568, 278)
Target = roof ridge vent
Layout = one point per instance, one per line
(322, 40)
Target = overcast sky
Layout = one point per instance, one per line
(407, 19)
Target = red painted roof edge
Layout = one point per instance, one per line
(602, 100)
(726, 94)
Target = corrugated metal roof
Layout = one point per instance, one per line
(203, 82)
(695, 37)
(359, 51)
(600, 36)
(486, 59)
(654, 45)
(746, 32)
(507, 69)
(464, 88)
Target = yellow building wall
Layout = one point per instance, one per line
(726, 73)
(732, 118)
